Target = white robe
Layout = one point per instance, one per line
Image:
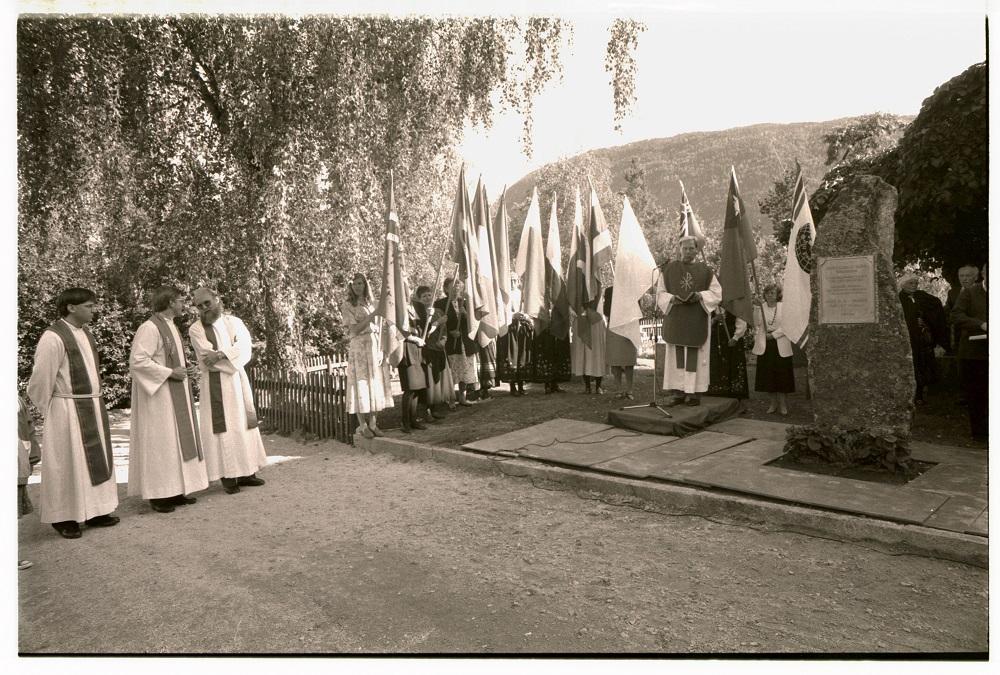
(591, 361)
(66, 492)
(679, 378)
(157, 468)
(238, 451)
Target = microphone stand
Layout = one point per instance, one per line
(652, 403)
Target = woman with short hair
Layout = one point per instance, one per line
(775, 371)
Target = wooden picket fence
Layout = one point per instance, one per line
(650, 329)
(313, 401)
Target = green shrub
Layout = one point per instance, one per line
(849, 447)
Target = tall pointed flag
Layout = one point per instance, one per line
(738, 250)
(392, 304)
(599, 242)
(555, 290)
(489, 326)
(689, 224)
(530, 265)
(576, 272)
(465, 252)
(501, 245)
(634, 267)
(796, 293)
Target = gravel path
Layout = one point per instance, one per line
(345, 552)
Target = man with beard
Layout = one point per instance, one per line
(229, 434)
(687, 293)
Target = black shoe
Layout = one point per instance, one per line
(430, 419)
(162, 505)
(230, 485)
(107, 520)
(68, 529)
(674, 400)
(417, 424)
(406, 429)
(693, 400)
(250, 481)
(437, 415)
(183, 500)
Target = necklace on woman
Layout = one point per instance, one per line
(774, 315)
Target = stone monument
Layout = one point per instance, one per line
(860, 365)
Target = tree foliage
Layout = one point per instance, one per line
(249, 153)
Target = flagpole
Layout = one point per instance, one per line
(653, 404)
(437, 284)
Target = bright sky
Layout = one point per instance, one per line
(704, 71)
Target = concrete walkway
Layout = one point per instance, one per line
(734, 456)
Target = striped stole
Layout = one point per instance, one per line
(215, 385)
(179, 394)
(97, 450)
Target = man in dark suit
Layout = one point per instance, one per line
(970, 316)
(968, 275)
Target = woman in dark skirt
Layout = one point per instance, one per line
(775, 372)
(728, 360)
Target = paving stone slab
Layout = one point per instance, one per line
(741, 426)
(694, 448)
(954, 479)
(947, 454)
(593, 448)
(898, 503)
(981, 524)
(957, 514)
(546, 433)
(644, 462)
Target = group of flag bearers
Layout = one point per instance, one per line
(531, 322)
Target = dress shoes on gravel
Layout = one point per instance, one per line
(250, 481)
(107, 520)
(161, 505)
(183, 500)
(230, 485)
(68, 529)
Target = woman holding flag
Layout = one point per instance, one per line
(367, 371)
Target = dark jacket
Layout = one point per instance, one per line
(926, 307)
(972, 309)
(457, 321)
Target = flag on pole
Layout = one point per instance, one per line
(489, 326)
(738, 250)
(689, 224)
(465, 252)
(530, 264)
(501, 244)
(599, 241)
(556, 306)
(576, 284)
(796, 293)
(395, 296)
(634, 267)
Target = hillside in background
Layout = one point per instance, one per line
(702, 160)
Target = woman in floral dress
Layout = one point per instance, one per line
(367, 372)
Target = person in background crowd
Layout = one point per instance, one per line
(620, 352)
(591, 362)
(927, 327)
(728, 362)
(514, 348)
(166, 460)
(367, 372)
(968, 275)
(775, 370)
(230, 438)
(971, 315)
(413, 376)
(459, 347)
(27, 448)
(434, 358)
(78, 474)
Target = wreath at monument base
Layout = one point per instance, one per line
(849, 447)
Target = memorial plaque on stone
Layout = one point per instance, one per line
(847, 289)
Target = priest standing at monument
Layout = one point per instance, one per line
(229, 434)
(78, 473)
(166, 462)
(687, 293)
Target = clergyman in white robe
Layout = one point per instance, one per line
(157, 467)
(67, 493)
(238, 451)
(679, 378)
